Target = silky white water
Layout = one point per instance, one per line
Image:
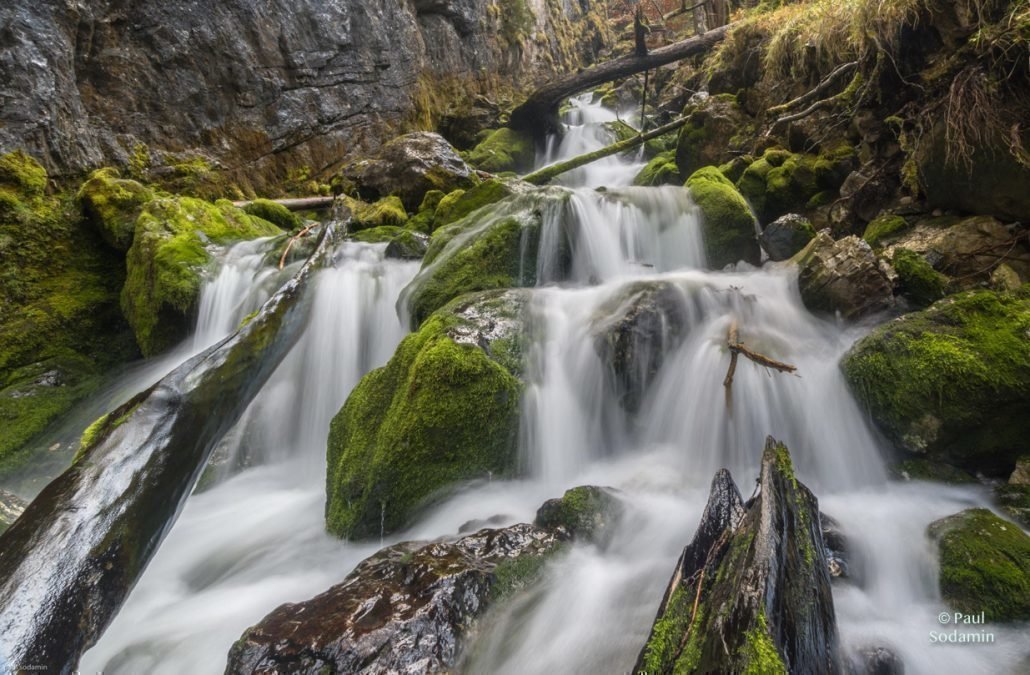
(256, 539)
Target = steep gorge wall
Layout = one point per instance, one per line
(262, 86)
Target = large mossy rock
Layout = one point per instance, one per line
(491, 248)
(275, 213)
(445, 409)
(408, 167)
(112, 204)
(843, 276)
(992, 181)
(952, 382)
(504, 150)
(726, 219)
(636, 330)
(60, 325)
(782, 182)
(707, 137)
(165, 263)
(660, 170)
(985, 565)
(761, 583)
(586, 513)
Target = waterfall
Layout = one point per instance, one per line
(256, 538)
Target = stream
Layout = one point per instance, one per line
(254, 537)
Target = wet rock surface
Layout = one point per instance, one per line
(753, 596)
(640, 327)
(327, 79)
(843, 276)
(786, 235)
(11, 506)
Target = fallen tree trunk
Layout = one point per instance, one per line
(68, 563)
(544, 175)
(295, 204)
(539, 113)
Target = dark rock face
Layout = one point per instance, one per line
(409, 167)
(786, 235)
(262, 85)
(839, 556)
(759, 583)
(404, 610)
(843, 276)
(640, 327)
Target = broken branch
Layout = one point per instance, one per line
(738, 348)
(293, 240)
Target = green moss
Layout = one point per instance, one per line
(663, 646)
(515, 574)
(752, 183)
(661, 170)
(112, 205)
(461, 203)
(921, 283)
(759, 654)
(165, 262)
(22, 173)
(490, 248)
(883, 227)
(431, 200)
(585, 512)
(275, 213)
(939, 472)
(517, 21)
(388, 211)
(984, 565)
(727, 222)
(952, 381)
(376, 235)
(504, 150)
(438, 413)
(782, 182)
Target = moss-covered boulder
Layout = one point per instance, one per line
(386, 212)
(951, 382)
(407, 245)
(781, 182)
(166, 259)
(919, 282)
(376, 235)
(586, 512)
(275, 213)
(112, 204)
(504, 150)
(445, 409)
(708, 136)
(883, 228)
(460, 203)
(985, 565)
(785, 236)
(61, 326)
(493, 247)
(661, 170)
(726, 219)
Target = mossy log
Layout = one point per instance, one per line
(544, 175)
(70, 560)
(539, 113)
(294, 204)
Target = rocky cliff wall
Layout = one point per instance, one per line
(262, 86)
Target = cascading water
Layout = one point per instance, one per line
(256, 539)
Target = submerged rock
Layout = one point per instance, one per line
(758, 577)
(638, 328)
(951, 383)
(586, 512)
(166, 259)
(445, 409)
(985, 565)
(876, 660)
(726, 219)
(786, 235)
(407, 609)
(408, 167)
(843, 276)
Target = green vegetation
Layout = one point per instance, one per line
(727, 222)
(504, 150)
(759, 654)
(112, 205)
(165, 262)
(939, 472)
(585, 512)
(388, 211)
(59, 286)
(985, 565)
(952, 381)
(781, 182)
(515, 574)
(661, 170)
(883, 227)
(438, 413)
(275, 213)
(921, 283)
(376, 235)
